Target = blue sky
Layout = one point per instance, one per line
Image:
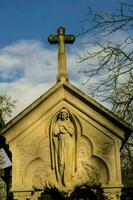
(28, 63)
(36, 19)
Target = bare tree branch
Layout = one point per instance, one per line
(109, 72)
(6, 106)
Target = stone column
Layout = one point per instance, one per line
(112, 193)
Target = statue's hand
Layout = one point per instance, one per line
(63, 130)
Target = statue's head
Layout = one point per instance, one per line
(64, 114)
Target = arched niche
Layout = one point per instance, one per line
(93, 168)
(33, 172)
(64, 131)
(101, 167)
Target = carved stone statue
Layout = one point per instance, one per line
(63, 147)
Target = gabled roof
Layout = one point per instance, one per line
(79, 94)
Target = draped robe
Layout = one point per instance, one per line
(63, 138)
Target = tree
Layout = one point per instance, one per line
(6, 106)
(2, 183)
(109, 61)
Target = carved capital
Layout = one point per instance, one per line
(118, 194)
(22, 195)
(37, 195)
(111, 195)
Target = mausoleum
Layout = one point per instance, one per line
(65, 145)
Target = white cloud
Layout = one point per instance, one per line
(39, 70)
(28, 69)
(39, 65)
(32, 57)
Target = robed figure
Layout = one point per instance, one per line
(63, 147)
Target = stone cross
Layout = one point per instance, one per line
(61, 39)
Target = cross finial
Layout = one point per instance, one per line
(61, 39)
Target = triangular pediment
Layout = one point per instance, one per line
(66, 93)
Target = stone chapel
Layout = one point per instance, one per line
(65, 145)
